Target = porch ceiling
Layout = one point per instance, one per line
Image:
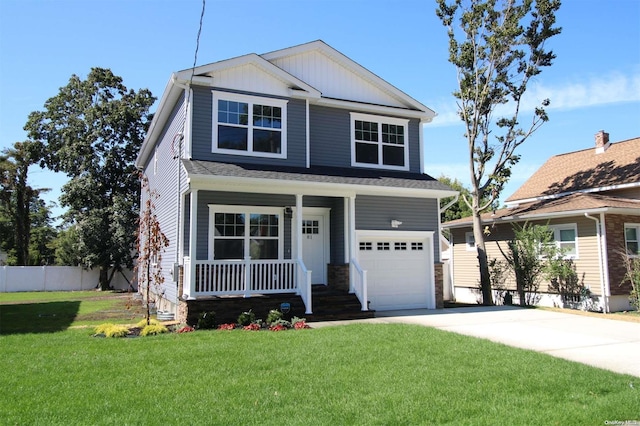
(349, 179)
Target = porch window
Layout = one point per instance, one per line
(253, 233)
(248, 125)
(380, 142)
(566, 238)
(632, 238)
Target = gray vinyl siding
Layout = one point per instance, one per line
(330, 138)
(203, 130)
(205, 198)
(165, 173)
(416, 214)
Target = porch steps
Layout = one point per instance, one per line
(328, 305)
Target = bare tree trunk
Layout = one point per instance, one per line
(483, 261)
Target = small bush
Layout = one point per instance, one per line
(227, 327)
(274, 315)
(143, 322)
(252, 327)
(117, 331)
(246, 318)
(206, 320)
(102, 328)
(112, 330)
(153, 329)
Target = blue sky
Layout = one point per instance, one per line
(593, 85)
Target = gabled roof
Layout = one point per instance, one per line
(583, 171)
(571, 205)
(361, 180)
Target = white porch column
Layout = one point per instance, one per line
(190, 288)
(298, 227)
(352, 236)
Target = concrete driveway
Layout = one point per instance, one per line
(599, 342)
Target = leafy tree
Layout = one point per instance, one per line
(496, 46)
(66, 247)
(21, 209)
(461, 208)
(532, 254)
(92, 130)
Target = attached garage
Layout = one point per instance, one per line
(399, 269)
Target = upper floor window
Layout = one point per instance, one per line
(566, 238)
(380, 142)
(248, 125)
(632, 238)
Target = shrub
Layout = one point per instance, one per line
(227, 327)
(280, 325)
(143, 322)
(117, 331)
(252, 327)
(112, 330)
(274, 315)
(246, 318)
(300, 325)
(150, 330)
(206, 320)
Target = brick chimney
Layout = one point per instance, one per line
(602, 142)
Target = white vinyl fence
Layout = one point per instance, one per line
(55, 278)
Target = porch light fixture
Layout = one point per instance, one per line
(288, 212)
(395, 223)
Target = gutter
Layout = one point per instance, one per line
(604, 268)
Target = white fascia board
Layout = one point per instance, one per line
(297, 86)
(516, 203)
(276, 186)
(375, 109)
(163, 111)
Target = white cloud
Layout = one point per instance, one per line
(611, 88)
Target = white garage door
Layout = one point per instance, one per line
(398, 270)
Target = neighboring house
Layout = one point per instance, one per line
(292, 168)
(591, 201)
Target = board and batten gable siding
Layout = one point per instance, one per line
(416, 214)
(162, 171)
(466, 269)
(330, 138)
(202, 133)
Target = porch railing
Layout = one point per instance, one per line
(359, 283)
(248, 277)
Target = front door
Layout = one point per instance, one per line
(314, 246)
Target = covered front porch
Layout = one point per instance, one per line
(248, 244)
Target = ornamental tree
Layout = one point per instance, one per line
(92, 130)
(497, 47)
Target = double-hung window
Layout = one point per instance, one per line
(566, 239)
(248, 125)
(380, 142)
(239, 232)
(632, 238)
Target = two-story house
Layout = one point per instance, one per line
(590, 200)
(292, 168)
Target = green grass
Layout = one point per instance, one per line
(44, 312)
(360, 374)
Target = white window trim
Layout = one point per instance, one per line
(247, 211)
(380, 119)
(637, 227)
(556, 237)
(251, 100)
(470, 242)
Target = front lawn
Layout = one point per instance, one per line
(358, 374)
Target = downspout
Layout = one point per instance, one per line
(602, 266)
(451, 273)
